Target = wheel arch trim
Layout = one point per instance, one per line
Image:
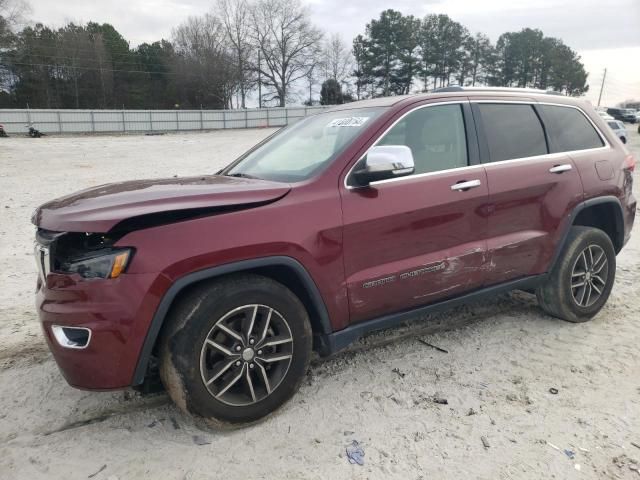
(619, 223)
(157, 321)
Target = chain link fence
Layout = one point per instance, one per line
(138, 121)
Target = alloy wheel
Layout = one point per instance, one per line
(246, 355)
(589, 276)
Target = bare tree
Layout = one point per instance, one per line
(289, 44)
(205, 61)
(338, 60)
(236, 17)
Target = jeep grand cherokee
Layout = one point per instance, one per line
(346, 222)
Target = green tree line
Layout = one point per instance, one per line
(268, 49)
(399, 53)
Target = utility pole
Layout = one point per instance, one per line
(602, 86)
(259, 83)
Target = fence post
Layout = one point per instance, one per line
(286, 116)
(201, 124)
(268, 122)
(150, 120)
(177, 121)
(59, 122)
(224, 119)
(93, 122)
(124, 124)
(246, 118)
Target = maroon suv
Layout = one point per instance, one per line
(349, 221)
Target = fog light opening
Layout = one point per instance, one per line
(72, 337)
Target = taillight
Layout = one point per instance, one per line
(629, 163)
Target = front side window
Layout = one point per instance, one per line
(512, 131)
(568, 129)
(435, 135)
(303, 149)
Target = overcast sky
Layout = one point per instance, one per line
(606, 33)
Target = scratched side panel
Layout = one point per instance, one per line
(412, 242)
(529, 206)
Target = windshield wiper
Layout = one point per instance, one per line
(241, 175)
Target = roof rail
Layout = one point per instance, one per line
(458, 88)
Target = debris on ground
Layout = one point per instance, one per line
(624, 461)
(637, 445)
(175, 424)
(471, 412)
(440, 400)
(102, 468)
(570, 453)
(485, 442)
(355, 453)
(424, 342)
(553, 391)
(198, 440)
(555, 447)
(398, 372)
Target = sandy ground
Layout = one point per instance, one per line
(503, 357)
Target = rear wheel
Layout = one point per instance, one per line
(582, 279)
(235, 350)
(624, 139)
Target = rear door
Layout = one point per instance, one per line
(414, 240)
(531, 191)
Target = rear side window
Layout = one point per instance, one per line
(568, 129)
(613, 125)
(512, 131)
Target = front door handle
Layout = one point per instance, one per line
(465, 185)
(560, 168)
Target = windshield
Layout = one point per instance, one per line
(303, 149)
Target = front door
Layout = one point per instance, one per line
(414, 240)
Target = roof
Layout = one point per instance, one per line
(449, 92)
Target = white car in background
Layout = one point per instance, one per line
(605, 115)
(619, 129)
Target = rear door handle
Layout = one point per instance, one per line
(464, 185)
(560, 168)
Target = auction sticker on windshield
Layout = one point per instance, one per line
(348, 122)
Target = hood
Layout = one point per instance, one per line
(101, 208)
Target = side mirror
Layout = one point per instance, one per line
(384, 162)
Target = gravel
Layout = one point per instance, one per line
(502, 357)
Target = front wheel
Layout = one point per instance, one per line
(236, 349)
(582, 279)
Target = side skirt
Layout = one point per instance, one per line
(334, 342)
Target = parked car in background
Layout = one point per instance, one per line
(623, 114)
(619, 129)
(605, 115)
(349, 221)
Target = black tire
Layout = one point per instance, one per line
(558, 298)
(624, 140)
(186, 353)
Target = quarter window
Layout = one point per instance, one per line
(568, 129)
(435, 135)
(512, 131)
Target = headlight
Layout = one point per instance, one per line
(107, 263)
